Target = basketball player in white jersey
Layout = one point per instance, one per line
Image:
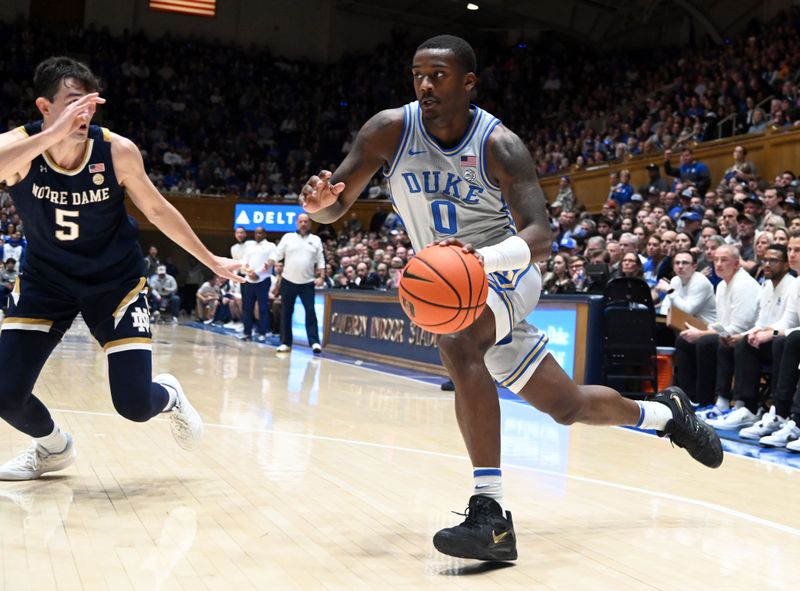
(457, 175)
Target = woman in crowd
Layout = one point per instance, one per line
(763, 242)
(631, 266)
(558, 279)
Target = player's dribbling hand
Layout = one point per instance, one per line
(468, 248)
(225, 267)
(75, 115)
(318, 193)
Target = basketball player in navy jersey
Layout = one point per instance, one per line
(68, 179)
(458, 176)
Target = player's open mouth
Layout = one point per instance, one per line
(428, 102)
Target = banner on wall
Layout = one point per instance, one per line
(271, 217)
(381, 327)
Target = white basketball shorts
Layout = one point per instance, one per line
(519, 347)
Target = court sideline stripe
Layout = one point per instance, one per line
(697, 503)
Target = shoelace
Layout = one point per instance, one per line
(27, 460)
(472, 518)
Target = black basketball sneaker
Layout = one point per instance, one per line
(687, 431)
(485, 534)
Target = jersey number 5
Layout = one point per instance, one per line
(67, 230)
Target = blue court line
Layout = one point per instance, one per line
(731, 442)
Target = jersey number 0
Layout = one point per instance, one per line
(67, 230)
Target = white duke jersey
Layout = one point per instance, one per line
(444, 193)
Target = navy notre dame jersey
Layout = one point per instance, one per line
(79, 234)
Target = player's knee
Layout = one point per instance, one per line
(567, 414)
(132, 400)
(460, 346)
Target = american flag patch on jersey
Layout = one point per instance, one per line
(93, 168)
(469, 161)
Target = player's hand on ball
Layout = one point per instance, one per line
(318, 193)
(467, 248)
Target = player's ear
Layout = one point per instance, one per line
(43, 105)
(470, 79)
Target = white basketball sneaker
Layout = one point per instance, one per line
(768, 424)
(783, 436)
(283, 349)
(36, 460)
(737, 419)
(185, 421)
(793, 445)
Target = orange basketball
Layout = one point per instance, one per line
(443, 289)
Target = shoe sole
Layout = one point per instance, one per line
(506, 557)
(172, 381)
(715, 440)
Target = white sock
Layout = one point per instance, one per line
(173, 398)
(55, 443)
(489, 483)
(653, 415)
(738, 404)
(723, 403)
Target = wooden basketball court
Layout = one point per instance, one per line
(315, 474)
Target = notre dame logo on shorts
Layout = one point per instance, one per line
(140, 319)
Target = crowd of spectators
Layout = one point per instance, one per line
(724, 251)
(218, 118)
(12, 246)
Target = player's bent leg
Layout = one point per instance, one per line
(24, 353)
(138, 398)
(552, 391)
(133, 393)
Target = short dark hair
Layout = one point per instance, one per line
(463, 51)
(689, 252)
(51, 73)
(781, 248)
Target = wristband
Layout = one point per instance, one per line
(512, 253)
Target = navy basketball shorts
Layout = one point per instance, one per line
(519, 346)
(119, 319)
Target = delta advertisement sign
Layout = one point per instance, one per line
(271, 217)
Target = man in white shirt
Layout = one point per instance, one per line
(163, 293)
(696, 350)
(689, 291)
(779, 427)
(303, 267)
(749, 353)
(241, 245)
(256, 267)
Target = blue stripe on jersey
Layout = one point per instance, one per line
(467, 137)
(530, 358)
(504, 299)
(401, 146)
(484, 171)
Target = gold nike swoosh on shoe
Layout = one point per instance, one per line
(497, 539)
(677, 400)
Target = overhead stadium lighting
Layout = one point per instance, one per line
(471, 6)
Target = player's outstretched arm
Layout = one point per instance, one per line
(17, 150)
(510, 165)
(327, 196)
(130, 171)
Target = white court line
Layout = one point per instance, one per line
(644, 491)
